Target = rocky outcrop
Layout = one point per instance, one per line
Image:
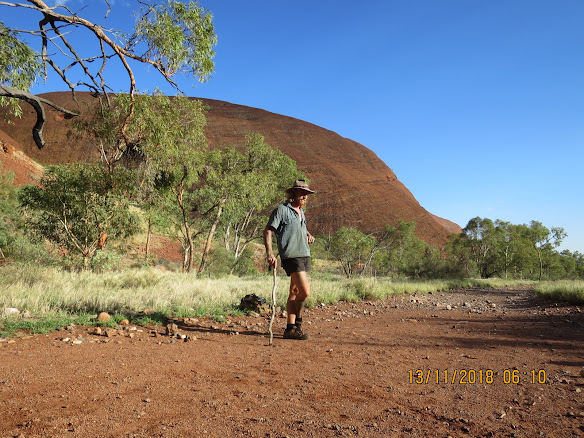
(355, 188)
(15, 161)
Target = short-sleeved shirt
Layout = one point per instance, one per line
(291, 232)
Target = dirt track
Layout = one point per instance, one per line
(352, 378)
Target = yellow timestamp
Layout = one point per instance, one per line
(474, 377)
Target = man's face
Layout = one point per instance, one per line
(301, 197)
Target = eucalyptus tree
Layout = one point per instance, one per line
(403, 251)
(77, 207)
(169, 148)
(265, 187)
(353, 249)
(543, 241)
(483, 240)
(237, 186)
(172, 37)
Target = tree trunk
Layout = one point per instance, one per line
(210, 235)
(148, 236)
(190, 247)
(540, 264)
(228, 237)
(188, 260)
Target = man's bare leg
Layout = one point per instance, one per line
(299, 292)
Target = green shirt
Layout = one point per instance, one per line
(291, 232)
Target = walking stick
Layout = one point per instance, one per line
(273, 305)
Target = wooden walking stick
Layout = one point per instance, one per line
(273, 304)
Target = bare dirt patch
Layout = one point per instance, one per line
(356, 376)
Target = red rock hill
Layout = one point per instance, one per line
(355, 188)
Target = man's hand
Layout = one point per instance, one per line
(310, 238)
(272, 261)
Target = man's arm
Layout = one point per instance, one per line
(272, 260)
(309, 237)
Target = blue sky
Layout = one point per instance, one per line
(476, 105)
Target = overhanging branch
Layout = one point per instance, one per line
(38, 104)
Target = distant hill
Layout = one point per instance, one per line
(355, 188)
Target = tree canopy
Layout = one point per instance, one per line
(77, 207)
(171, 36)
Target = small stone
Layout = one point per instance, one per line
(448, 307)
(25, 314)
(191, 321)
(254, 314)
(11, 311)
(104, 317)
(124, 322)
(96, 331)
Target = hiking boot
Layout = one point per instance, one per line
(295, 333)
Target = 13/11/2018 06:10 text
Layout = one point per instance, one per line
(471, 376)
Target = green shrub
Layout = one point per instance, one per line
(106, 260)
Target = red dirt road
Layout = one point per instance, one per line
(352, 378)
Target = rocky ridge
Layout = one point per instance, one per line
(355, 188)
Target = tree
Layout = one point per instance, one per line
(353, 248)
(237, 186)
(78, 207)
(171, 36)
(483, 240)
(168, 144)
(404, 252)
(544, 240)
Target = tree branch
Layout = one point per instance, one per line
(37, 104)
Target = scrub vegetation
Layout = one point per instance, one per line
(67, 244)
(53, 297)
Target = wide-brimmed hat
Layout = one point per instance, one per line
(300, 184)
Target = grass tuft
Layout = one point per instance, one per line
(149, 296)
(563, 290)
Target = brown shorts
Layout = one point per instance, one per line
(296, 264)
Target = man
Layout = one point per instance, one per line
(288, 222)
